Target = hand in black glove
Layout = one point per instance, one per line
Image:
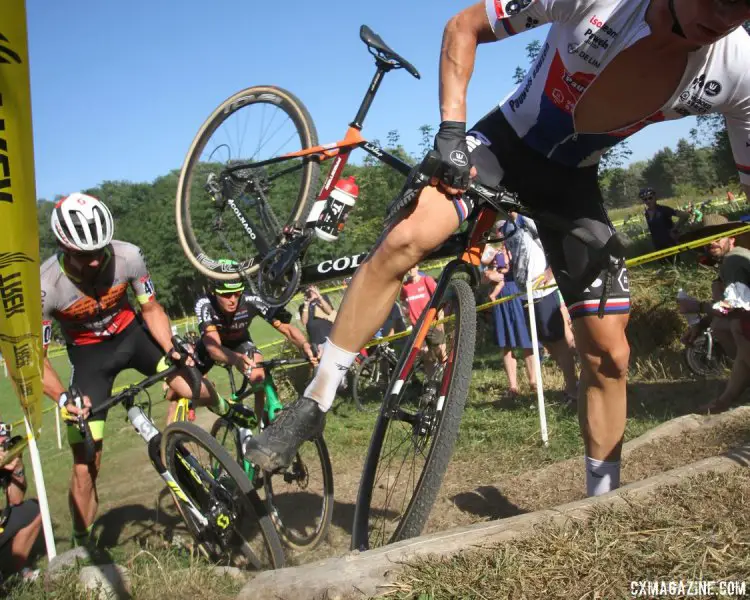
(450, 143)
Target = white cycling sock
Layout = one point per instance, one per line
(333, 366)
(601, 476)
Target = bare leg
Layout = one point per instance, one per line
(23, 541)
(565, 359)
(83, 497)
(376, 283)
(368, 301)
(509, 362)
(602, 405)
(528, 359)
(739, 379)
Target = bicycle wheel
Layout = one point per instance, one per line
(254, 125)
(418, 421)
(300, 498)
(370, 382)
(226, 433)
(697, 359)
(237, 530)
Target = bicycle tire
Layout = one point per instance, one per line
(291, 536)
(252, 508)
(695, 358)
(226, 432)
(298, 114)
(368, 365)
(420, 504)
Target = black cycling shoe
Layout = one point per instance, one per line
(277, 445)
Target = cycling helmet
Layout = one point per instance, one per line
(228, 287)
(646, 193)
(83, 223)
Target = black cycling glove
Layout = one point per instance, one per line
(450, 143)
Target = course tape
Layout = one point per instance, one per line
(630, 263)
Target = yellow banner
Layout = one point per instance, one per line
(20, 296)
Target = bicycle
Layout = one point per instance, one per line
(222, 512)
(277, 187)
(292, 495)
(272, 253)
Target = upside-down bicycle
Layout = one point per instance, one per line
(416, 420)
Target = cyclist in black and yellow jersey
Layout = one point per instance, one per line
(224, 318)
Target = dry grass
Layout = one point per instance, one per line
(155, 574)
(696, 530)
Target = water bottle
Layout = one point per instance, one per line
(336, 210)
(142, 424)
(692, 318)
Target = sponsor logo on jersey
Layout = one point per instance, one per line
(712, 88)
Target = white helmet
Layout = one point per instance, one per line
(82, 222)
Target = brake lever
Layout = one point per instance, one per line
(89, 445)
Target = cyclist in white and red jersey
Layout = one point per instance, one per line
(84, 288)
(607, 69)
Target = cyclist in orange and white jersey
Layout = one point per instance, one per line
(84, 288)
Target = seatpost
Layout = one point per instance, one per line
(383, 68)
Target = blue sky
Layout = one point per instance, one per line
(120, 88)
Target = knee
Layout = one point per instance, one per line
(257, 376)
(606, 359)
(404, 242)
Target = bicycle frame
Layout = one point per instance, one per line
(339, 151)
(152, 436)
(467, 262)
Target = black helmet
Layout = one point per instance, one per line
(646, 193)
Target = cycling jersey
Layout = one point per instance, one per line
(235, 329)
(586, 35)
(92, 311)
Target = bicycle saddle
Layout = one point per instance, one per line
(384, 51)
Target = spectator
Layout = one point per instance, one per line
(21, 521)
(317, 315)
(511, 330)
(415, 296)
(660, 220)
(726, 312)
(529, 263)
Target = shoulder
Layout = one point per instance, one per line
(130, 253)
(733, 55)
(256, 302)
(204, 309)
(50, 274)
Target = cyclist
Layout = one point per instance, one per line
(224, 318)
(586, 91)
(84, 288)
(660, 220)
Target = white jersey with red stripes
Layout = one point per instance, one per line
(586, 35)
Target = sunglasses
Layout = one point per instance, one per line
(230, 294)
(96, 254)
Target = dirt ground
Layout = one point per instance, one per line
(473, 490)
